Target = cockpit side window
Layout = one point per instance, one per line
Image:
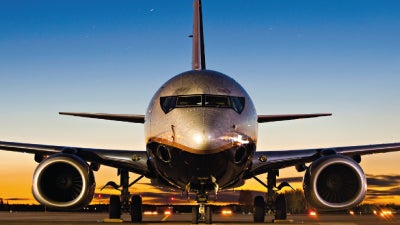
(169, 103)
(237, 104)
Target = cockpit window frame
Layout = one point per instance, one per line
(169, 103)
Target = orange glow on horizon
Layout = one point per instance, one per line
(15, 187)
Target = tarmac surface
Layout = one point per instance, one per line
(62, 218)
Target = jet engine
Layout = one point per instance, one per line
(63, 181)
(334, 182)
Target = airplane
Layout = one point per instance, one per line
(201, 137)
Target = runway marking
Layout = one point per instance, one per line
(333, 223)
(165, 217)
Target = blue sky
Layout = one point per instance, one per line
(291, 56)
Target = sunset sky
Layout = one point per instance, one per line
(291, 56)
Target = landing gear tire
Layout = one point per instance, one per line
(195, 215)
(115, 207)
(280, 213)
(136, 209)
(208, 215)
(259, 209)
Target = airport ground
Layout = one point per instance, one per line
(62, 218)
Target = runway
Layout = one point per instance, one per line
(62, 218)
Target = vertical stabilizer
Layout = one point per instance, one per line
(198, 58)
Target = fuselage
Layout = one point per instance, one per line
(201, 131)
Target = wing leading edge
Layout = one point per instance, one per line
(105, 116)
(274, 118)
(267, 160)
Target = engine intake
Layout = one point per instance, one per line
(63, 181)
(334, 182)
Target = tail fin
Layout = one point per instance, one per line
(198, 58)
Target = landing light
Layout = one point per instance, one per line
(238, 139)
(198, 138)
(241, 140)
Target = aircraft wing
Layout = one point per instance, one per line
(283, 117)
(267, 160)
(132, 118)
(134, 161)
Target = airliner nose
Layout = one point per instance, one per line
(204, 134)
(203, 139)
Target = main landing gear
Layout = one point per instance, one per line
(125, 202)
(274, 202)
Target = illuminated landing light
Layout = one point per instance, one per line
(351, 212)
(241, 140)
(198, 138)
(235, 138)
(167, 212)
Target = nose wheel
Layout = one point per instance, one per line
(202, 212)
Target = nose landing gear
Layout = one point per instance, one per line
(202, 211)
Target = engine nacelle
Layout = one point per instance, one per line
(334, 182)
(63, 181)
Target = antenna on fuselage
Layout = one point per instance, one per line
(198, 58)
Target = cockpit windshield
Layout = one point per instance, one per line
(218, 101)
(188, 101)
(169, 103)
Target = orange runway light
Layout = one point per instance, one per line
(150, 212)
(312, 212)
(227, 212)
(386, 213)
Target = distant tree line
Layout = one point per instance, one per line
(295, 202)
